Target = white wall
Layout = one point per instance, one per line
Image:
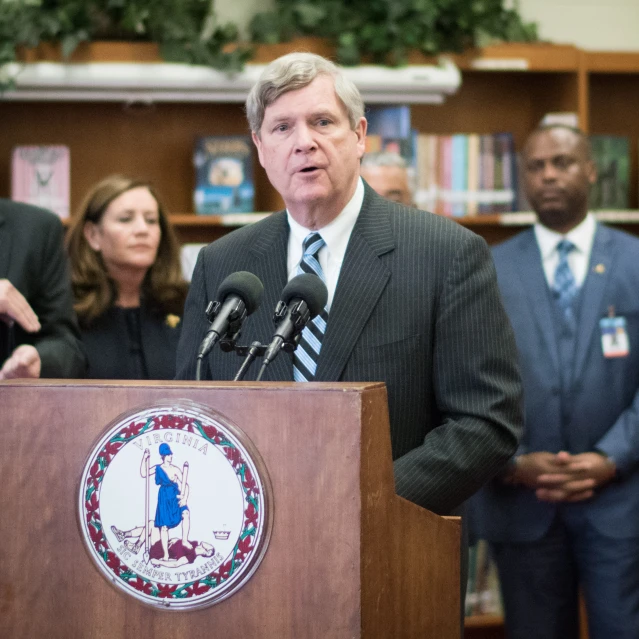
(597, 25)
(590, 24)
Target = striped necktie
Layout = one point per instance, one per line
(565, 286)
(308, 349)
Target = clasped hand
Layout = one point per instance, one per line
(562, 477)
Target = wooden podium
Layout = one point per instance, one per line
(347, 558)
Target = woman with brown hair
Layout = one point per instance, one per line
(127, 281)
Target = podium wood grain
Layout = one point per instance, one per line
(347, 557)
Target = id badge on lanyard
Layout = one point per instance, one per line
(614, 336)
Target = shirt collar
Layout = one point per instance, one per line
(582, 236)
(337, 232)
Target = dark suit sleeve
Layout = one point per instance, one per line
(58, 341)
(194, 325)
(477, 389)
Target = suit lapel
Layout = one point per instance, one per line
(362, 279)
(269, 258)
(592, 294)
(5, 245)
(533, 282)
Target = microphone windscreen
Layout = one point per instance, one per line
(307, 287)
(246, 286)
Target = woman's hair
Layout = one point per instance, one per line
(163, 289)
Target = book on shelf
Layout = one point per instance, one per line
(463, 175)
(188, 257)
(483, 595)
(223, 175)
(40, 175)
(389, 131)
(611, 155)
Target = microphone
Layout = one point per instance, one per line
(240, 294)
(303, 298)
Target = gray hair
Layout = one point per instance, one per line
(384, 158)
(296, 71)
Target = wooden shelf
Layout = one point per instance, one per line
(521, 57)
(484, 621)
(612, 62)
(507, 87)
(524, 218)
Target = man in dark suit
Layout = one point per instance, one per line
(413, 298)
(566, 515)
(40, 333)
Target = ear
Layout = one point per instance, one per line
(258, 144)
(92, 235)
(360, 132)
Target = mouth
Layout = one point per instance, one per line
(309, 169)
(551, 194)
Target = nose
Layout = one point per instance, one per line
(549, 172)
(140, 225)
(304, 140)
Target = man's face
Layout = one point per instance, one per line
(557, 178)
(391, 182)
(310, 153)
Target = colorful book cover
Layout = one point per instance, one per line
(390, 130)
(426, 172)
(223, 175)
(473, 173)
(507, 199)
(459, 174)
(486, 173)
(444, 206)
(389, 121)
(612, 157)
(41, 175)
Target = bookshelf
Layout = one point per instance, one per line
(504, 88)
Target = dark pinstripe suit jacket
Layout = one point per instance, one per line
(417, 307)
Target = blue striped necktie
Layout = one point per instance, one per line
(308, 349)
(565, 286)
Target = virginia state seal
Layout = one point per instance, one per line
(174, 505)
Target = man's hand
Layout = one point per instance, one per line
(24, 362)
(577, 479)
(528, 468)
(14, 306)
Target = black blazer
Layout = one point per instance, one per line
(107, 345)
(33, 259)
(416, 307)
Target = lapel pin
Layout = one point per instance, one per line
(600, 268)
(172, 320)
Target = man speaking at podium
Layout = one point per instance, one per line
(412, 297)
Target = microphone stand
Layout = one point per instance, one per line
(251, 352)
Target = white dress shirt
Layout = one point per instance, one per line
(336, 235)
(582, 236)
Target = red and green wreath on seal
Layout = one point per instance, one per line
(246, 540)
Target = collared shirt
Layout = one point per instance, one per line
(336, 235)
(582, 236)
